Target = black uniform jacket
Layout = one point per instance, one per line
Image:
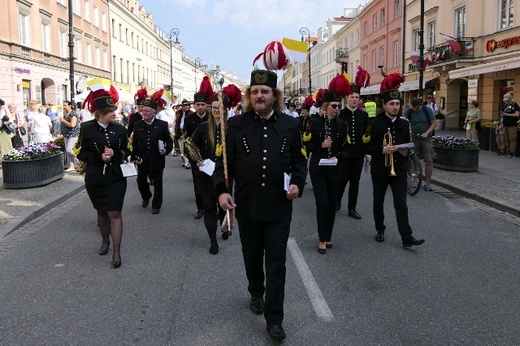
(177, 126)
(338, 134)
(93, 139)
(201, 138)
(134, 117)
(400, 134)
(259, 152)
(357, 122)
(145, 143)
(192, 122)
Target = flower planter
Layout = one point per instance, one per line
(32, 173)
(460, 160)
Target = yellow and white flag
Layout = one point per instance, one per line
(297, 49)
(96, 84)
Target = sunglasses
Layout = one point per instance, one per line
(336, 105)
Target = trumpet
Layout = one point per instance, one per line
(389, 158)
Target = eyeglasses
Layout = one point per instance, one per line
(336, 105)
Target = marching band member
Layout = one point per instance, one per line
(388, 165)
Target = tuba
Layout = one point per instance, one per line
(193, 150)
(389, 158)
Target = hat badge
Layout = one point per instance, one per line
(110, 101)
(261, 77)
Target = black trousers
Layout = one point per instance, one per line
(271, 237)
(198, 197)
(398, 185)
(325, 185)
(144, 187)
(351, 169)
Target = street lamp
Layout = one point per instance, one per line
(197, 62)
(173, 32)
(305, 31)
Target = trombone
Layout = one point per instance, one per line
(389, 158)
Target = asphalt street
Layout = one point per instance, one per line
(459, 288)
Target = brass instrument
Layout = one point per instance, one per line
(193, 150)
(389, 158)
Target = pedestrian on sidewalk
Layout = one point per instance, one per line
(263, 149)
(103, 145)
(70, 126)
(510, 111)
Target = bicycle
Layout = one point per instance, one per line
(414, 173)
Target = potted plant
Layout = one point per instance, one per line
(455, 153)
(32, 165)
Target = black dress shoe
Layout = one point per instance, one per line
(407, 242)
(276, 331)
(102, 251)
(322, 251)
(156, 210)
(257, 305)
(380, 237)
(213, 249)
(328, 246)
(354, 214)
(338, 206)
(199, 214)
(145, 203)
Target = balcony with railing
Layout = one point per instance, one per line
(341, 55)
(443, 53)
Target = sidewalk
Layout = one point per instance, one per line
(497, 184)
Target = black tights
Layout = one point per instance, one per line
(111, 222)
(210, 216)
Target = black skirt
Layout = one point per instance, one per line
(107, 197)
(203, 184)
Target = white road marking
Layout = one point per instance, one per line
(319, 303)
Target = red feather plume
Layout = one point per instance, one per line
(157, 97)
(89, 100)
(141, 94)
(340, 85)
(320, 95)
(233, 94)
(206, 89)
(391, 81)
(362, 78)
(309, 101)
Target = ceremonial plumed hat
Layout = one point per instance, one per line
(390, 87)
(149, 103)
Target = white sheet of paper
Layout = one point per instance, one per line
(286, 181)
(328, 162)
(404, 146)
(161, 145)
(208, 167)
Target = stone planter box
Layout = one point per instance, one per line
(34, 173)
(460, 160)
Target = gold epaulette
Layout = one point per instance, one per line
(218, 150)
(306, 136)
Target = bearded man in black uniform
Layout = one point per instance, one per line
(136, 116)
(262, 145)
(388, 158)
(352, 166)
(147, 150)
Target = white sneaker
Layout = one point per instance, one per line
(427, 187)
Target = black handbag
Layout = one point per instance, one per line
(22, 131)
(16, 141)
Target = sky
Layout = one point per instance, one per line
(231, 33)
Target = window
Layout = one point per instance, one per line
(63, 42)
(127, 72)
(121, 68)
(25, 29)
(75, 7)
(126, 37)
(365, 60)
(397, 9)
(105, 59)
(507, 13)
(396, 53)
(460, 22)
(415, 40)
(97, 61)
(382, 56)
(103, 21)
(46, 36)
(121, 32)
(77, 49)
(431, 35)
(114, 67)
(88, 54)
(365, 29)
(86, 15)
(95, 14)
(374, 62)
(113, 27)
(374, 22)
(383, 17)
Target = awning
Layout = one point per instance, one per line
(371, 90)
(414, 84)
(495, 66)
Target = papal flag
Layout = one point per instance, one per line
(452, 42)
(297, 49)
(98, 84)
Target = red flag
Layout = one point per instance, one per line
(414, 56)
(452, 42)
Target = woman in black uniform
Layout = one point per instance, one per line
(103, 145)
(327, 145)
